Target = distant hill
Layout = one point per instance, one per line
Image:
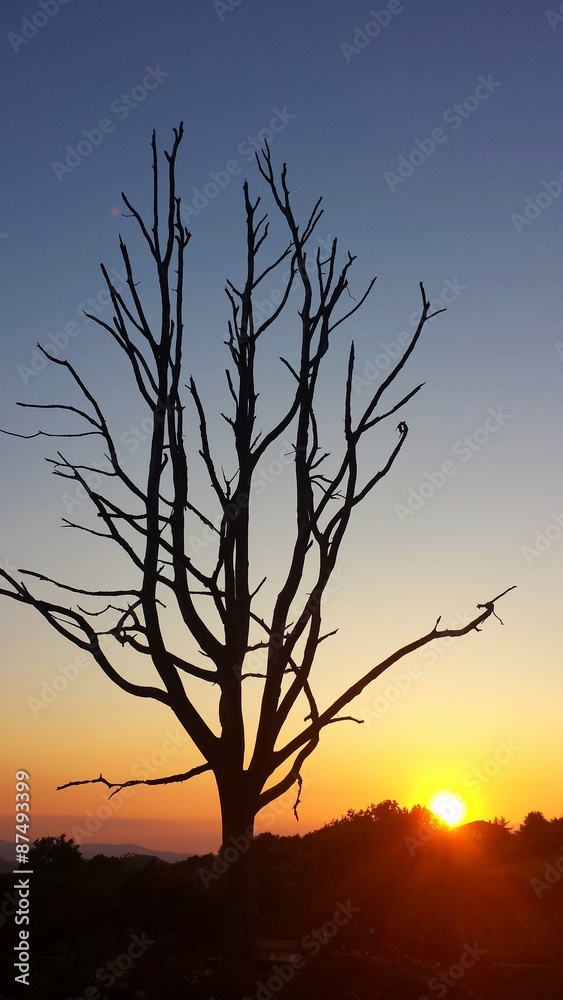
(118, 850)
(8, 853)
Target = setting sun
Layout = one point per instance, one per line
(448, 806)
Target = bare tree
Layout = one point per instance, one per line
(153, 526)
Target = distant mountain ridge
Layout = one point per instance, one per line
(8, 852)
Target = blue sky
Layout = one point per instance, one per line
(355, 98)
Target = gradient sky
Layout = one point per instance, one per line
(355, 108)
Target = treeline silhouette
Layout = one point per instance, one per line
(421, 901)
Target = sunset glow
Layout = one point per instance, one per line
(431, 183)
(448, 806)
(281, 511)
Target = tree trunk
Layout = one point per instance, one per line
(240, 909)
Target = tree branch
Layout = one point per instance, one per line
(119, 785)
(355, 689)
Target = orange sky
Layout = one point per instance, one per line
(469, 214)
(447, 719)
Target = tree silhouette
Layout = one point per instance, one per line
(55, 852)
(151, 522)
(535, 833)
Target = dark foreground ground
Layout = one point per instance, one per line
(380, 904)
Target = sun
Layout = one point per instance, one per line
(448, 806)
